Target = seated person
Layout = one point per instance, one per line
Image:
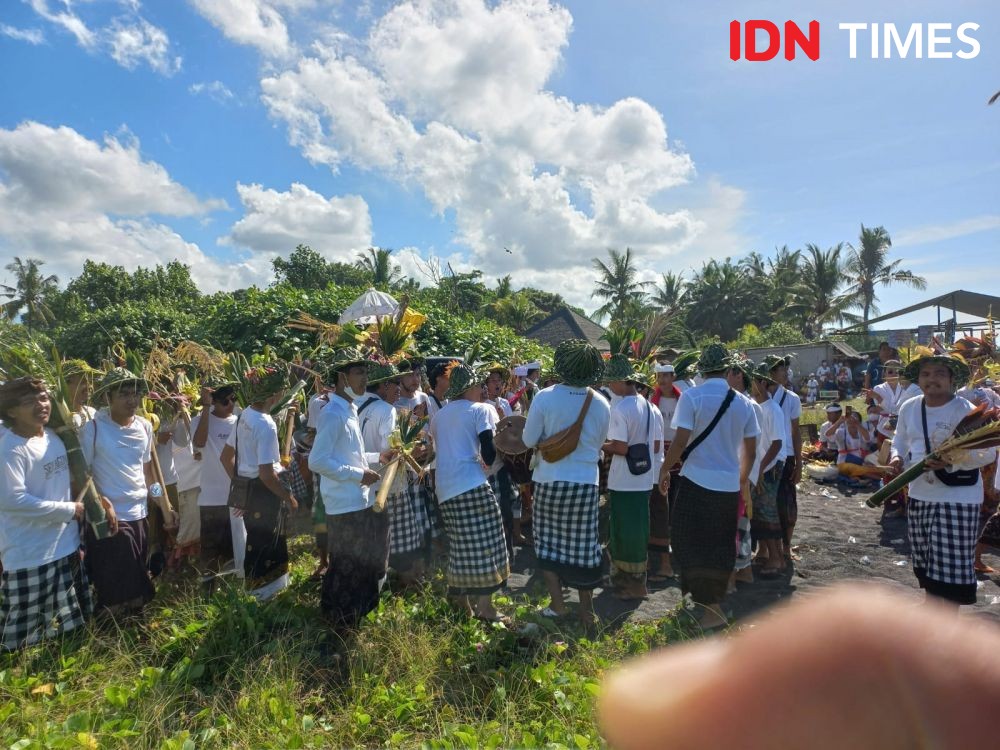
(852, 439)
(828, 433)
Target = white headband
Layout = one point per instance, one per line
(664, 368)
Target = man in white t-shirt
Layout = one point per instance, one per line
(117, 445)
(766, 475)
(410, 395)
(713, 470)
(665, 398)
(827, 432)
(791, 473)
(635, 434)
(567, 494)
(944, 501)
(44, 589)
(500, 480)
(462, 432)
(222, 532)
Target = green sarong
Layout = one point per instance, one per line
(629, 530)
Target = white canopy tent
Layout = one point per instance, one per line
(370, 306)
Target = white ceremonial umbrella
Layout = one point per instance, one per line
(370, 306)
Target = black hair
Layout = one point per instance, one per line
(373, 388)
(222, 394)
(13, 391)
(438, 371)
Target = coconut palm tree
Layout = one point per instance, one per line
(516, 311)
(378, 262)
(29, 292)
(618, 285)
(720, 299)
(824, 299)
(669, 294)
(503, 287)
(868, 268)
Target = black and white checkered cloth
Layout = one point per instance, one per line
(408, 522)
(477, 555)
(565, 523)
(296, 483)
(38, 603)
(943, 540)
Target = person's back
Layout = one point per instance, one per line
(553, 410)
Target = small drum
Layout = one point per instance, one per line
(509, 442)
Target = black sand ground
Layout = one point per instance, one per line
(839, 539)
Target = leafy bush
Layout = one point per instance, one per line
(89, 335)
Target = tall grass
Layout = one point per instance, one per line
(229, 672)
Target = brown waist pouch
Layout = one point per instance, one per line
(564, 442)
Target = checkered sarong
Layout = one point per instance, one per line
(565, 524)
(37, 603)
(943, 540)
(477, 555)
(408, 522)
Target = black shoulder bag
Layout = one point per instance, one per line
(637, 456)
(240, 488)
(960, 478)
(711, 426)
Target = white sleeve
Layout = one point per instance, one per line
(684, 413)
(16, 500)
(266, 439)
(618, 427)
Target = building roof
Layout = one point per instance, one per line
(843, 349)
(565, 324)
(969, 303)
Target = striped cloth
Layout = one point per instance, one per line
(477, 555)
(943, 544)
(566, 532)
(408, 521)
(42, 602)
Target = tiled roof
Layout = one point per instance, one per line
(565, 324)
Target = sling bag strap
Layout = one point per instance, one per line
(784, 395)
(364, 406)
(711, 426)
(236, 442)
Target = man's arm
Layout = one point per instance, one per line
(747, 459)
(200, 438)
(797, 448)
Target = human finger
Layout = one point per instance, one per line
(851, 667)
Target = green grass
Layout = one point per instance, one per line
(229, 672)
(817, 415)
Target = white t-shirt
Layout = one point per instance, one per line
(433, 405)
(165, 451)
(553, 410)
(378, 422)
(214, 479)
(316, 404)
(503, 408)
(455, 430)
(849, 445)
(715, 464)
(117, 463)
(826, 442)
(791, 405)
(188, 470)
(667, 406)
(410, 403)
(36, 503)
(256, 440)
(634, 420)
(823, 371)
(80, 418)
(771, 429)
(909, 443)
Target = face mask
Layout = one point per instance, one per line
(352, 393)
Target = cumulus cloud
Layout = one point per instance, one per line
(215, 89)
(31, 36)
(141, 42)
(450, 96)
(256, 23)
(66, 198)
(275, 222)
(130, 39)
(947, 231)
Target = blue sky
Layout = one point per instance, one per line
(221, 132)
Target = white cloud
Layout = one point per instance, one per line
(449, 96)
(65, 198)
(31, 36)
(949, 231)
(132, 44)
(67, 20)
(275, 222)
(130, 40)
(253, 22)
(215, 89)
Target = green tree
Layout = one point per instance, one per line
(868, 268)
(503, 287)
(721, 299)
(377, 263)
(515, 311)
(29, 292)
(619, 286)
(670, 295)
(462, 292)
(307, 269)
(824, 298)
(101, 285)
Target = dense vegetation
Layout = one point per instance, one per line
(794, 296)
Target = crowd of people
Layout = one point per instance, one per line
(403, 467)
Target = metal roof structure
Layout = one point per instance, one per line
(959, 301)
